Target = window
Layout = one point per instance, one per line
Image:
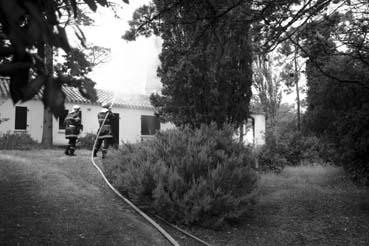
(61, 120)
(20, 118)
(149, 124)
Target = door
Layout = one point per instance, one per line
(115, 130)
(20, 118)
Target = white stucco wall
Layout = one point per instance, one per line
(34, 117)
(129, 122)
(89, 122)
(259, 130)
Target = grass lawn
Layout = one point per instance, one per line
(311, 205)
(47, 198)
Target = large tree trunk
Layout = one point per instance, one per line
(297, 93)
(47, 130)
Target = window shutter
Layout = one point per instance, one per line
(20, 118)
(149, 124)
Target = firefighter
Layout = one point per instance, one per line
(73, 127)
(105, 136)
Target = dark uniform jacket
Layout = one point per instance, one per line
(106, 129)
(72, 125)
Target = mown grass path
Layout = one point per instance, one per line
(311, 205)
(47, 198)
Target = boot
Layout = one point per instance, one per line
(71, 152)
(66, 151)
(95, 153)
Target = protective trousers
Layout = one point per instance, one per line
(71, 147)
(107, 143)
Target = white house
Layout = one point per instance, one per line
(136, 119)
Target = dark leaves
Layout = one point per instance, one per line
(19, 77)
(91, 4)
(33, 87)
(28, 25)
(87, 90)
(54, 97)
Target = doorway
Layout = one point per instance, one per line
(115, 130)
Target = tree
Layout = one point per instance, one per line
(97, 55)
(338, 114)
(198, 67)
(341, 30)
(39, 20)
(28, 26)
(268, 85)
(338, 99)
(206, 75)
(292, 71)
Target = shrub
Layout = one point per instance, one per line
(290, 148)
(188, 176)
(87, 141)
(338, 113)
(21, 141)
(353, 147)
(271, 156)
(301, 149)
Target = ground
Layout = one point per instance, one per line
(311, 205)
(49, 199)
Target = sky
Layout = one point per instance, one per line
(132, 66)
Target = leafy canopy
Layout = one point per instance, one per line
(207, 52)
(26, 26)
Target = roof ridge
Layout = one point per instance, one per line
(73, 95)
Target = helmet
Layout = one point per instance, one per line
(106, 105)
(76, 107)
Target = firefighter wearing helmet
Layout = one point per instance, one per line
(105, 135)
(73, 127)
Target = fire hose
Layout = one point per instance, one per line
(139, 211)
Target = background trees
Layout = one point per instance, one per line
(32, 33)
(29, 29)
(206, 60)
(205, 68)
(338, 91)
(268, 86)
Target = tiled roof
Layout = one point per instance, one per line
(120, 100)
(74, 96)
(4, 87)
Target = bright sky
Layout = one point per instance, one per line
(132, 66)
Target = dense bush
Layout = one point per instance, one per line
(87, 141)
(271, 156)
(290, 148)
(20, 141)
(353, 144)
(339, 115)
(188, 176)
